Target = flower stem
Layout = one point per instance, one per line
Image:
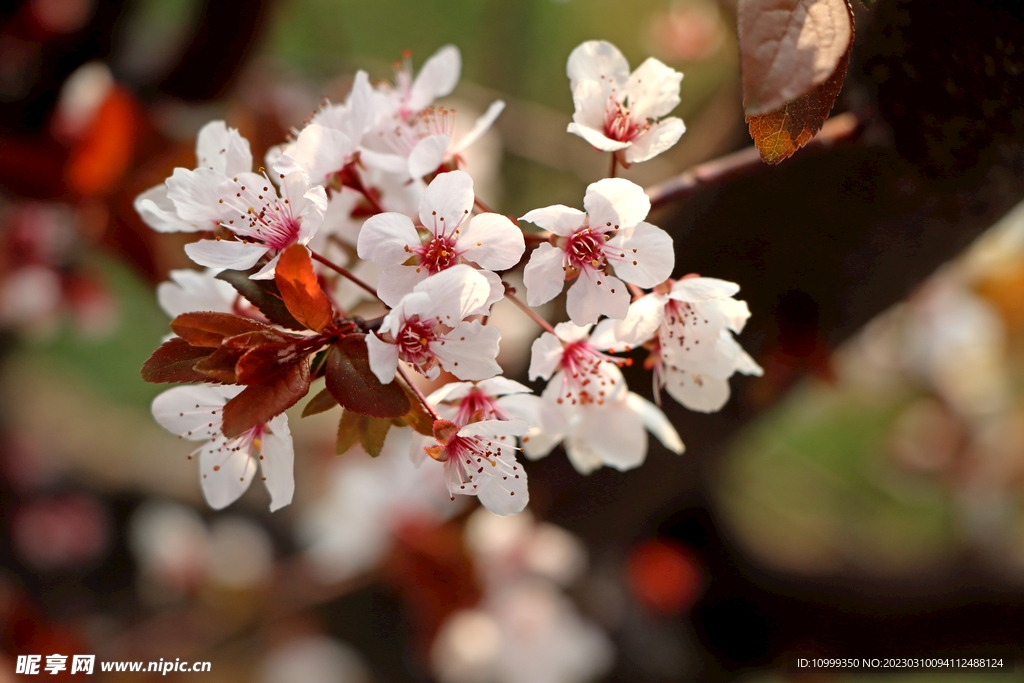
(344, 272)
(416, 390)
(510, 294)
(536, 238)
(614, 166)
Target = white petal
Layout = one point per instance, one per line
(447, 202)
(616, 203)
(398, 281)
(747, 365)
(387, 239)
(314, 208)
(561, 220)
(437, 77)
(590, 100)
(496, 295)
(224, 473)
(482, 125)
(383, 358)
(736, 313)
(568, 332)
(604, 337)
(587, 301)
(278, 463)
(428, 155)
(455, 293)
(505, 491)
(649, 255)
(643, 319)
(653, 90)
(188, 411)
(222, 149)
(697, 392)
(543, 275)
(158, 212)
(545, 356)
(268, 271)
(660, 137)
(493, 428)
(615, 433)
(321, 151)
(190, 291)
(492, 241)
(703, 289)
(656, 422)
(597, 139)
(502, 386)
(453, 391)
(469, 351)
(596, 60)
(581, 454)
(389, 163)
(225, 254)
(195, 195)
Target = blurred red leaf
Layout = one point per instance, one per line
(300, 289)
(210, 329)
(794, 57)
(264, 295)
(99, 161)
(173, 361)
(664, 576)
(260, 402)
(354, 386)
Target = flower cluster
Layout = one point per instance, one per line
(369, 208)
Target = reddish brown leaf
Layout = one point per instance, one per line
(247, 340)
(260, 402)
(780, 132)
(210, 329)
(173, 361)
(264, 363)
(263, 294)
(354, 386)
(418, 418)
(368, 431)
(320, 403)
(300, 290)
(219, 366)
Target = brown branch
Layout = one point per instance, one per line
(731, 166)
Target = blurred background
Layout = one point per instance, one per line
(863, 499)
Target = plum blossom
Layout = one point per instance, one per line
(187, 202)
(391, 239)
(688, 326)
(582, 372)
(610, 432)
(479, 460)
(611, 235)
(191, 290)
(265, 223)
(426, 328)
(618, 111)
(437, 77)
(227, 466)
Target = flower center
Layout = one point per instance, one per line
(619, 124)
(474, 402)
(585, 375)
(262, 216)
(438, 254)
(585, 249)
(414, 343)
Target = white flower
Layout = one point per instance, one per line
(437, 77)
(331, 139)
(186, 201)
(583, 373)
(426, 328)
(687, 325)
(390, 239)
(617, 111)
(493, 398)
(610, 432)
(226, 466)
(425, 142)
(189, 291)
(479, 459)
(265, 223)
(610, 234)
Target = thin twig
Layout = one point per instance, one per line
(510, 294)
(741, 163)
(344, 272)
(419, 394)
(611, 171)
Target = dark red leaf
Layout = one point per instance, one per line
(173, 361)
(263, 294)
(320, 403)
(219, 366)
(248, 340)
(300, 289)
(354, 386)
(210, 329)
(264, 363)
(260, 402)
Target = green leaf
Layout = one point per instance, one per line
(264, 295)
(173, 361)
(370, 432)
(348, 432)
(375, 430)
(320, 403)
(353, 384)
